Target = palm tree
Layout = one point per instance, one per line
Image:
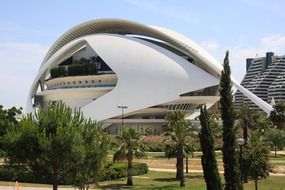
(246, 117)
(178, 130)
(129, 148)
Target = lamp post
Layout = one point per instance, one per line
(240, 142)
(122, 107)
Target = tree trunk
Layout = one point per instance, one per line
(245, 137)
(255, 184)
(54, 180)
(130, 172)
(275, 151)
(180, 166)
(54, 186)
(187, 164)
(177, 170)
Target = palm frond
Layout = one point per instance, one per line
(120, 154)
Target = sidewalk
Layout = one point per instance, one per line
(32, 188)
(201, 171)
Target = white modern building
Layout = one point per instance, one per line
(265, 78)
(101, 64)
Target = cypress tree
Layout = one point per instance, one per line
(208, 159)
(230, 157)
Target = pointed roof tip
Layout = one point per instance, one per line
(272, 102)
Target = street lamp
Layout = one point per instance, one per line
(122, 107)
(240, 142)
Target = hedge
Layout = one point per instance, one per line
(110, 172)
(73, 70)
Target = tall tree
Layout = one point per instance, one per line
(257, 155)
(178, 130)
(59, 139)
(230, 157)
(208, 159)
(129, 148)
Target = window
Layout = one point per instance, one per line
(99, 81)
(86, 81)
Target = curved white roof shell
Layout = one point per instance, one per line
(147, 74)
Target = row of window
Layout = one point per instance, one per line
(86, 83)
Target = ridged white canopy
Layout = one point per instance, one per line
(111, 39)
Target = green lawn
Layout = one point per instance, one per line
(12, 184)
(166, 180)
(157, 180)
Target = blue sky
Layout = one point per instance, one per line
(247, 28)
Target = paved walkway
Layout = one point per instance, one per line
(200, 171)
(31, 188)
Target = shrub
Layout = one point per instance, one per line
(74, 70)
(19, 173)
(119, 170)
(54, 72)
(111, 171)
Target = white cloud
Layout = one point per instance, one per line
(275, 41)
(19, 64)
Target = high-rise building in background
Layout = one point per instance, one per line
(265, 78)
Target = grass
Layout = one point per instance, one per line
(277, 163)
(194, 181)
(166, 180)
(155, 155)
(278, 157)
(157, 180)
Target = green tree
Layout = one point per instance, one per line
(230, 157)
(257, 157)
(7, 119)
(59, 140)
(276, 139)
(94, 153)
(130, 147)
(178, 130)
(263, 123)
(54, 143)
(189, 148)
(277, 116)
(208, 159)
